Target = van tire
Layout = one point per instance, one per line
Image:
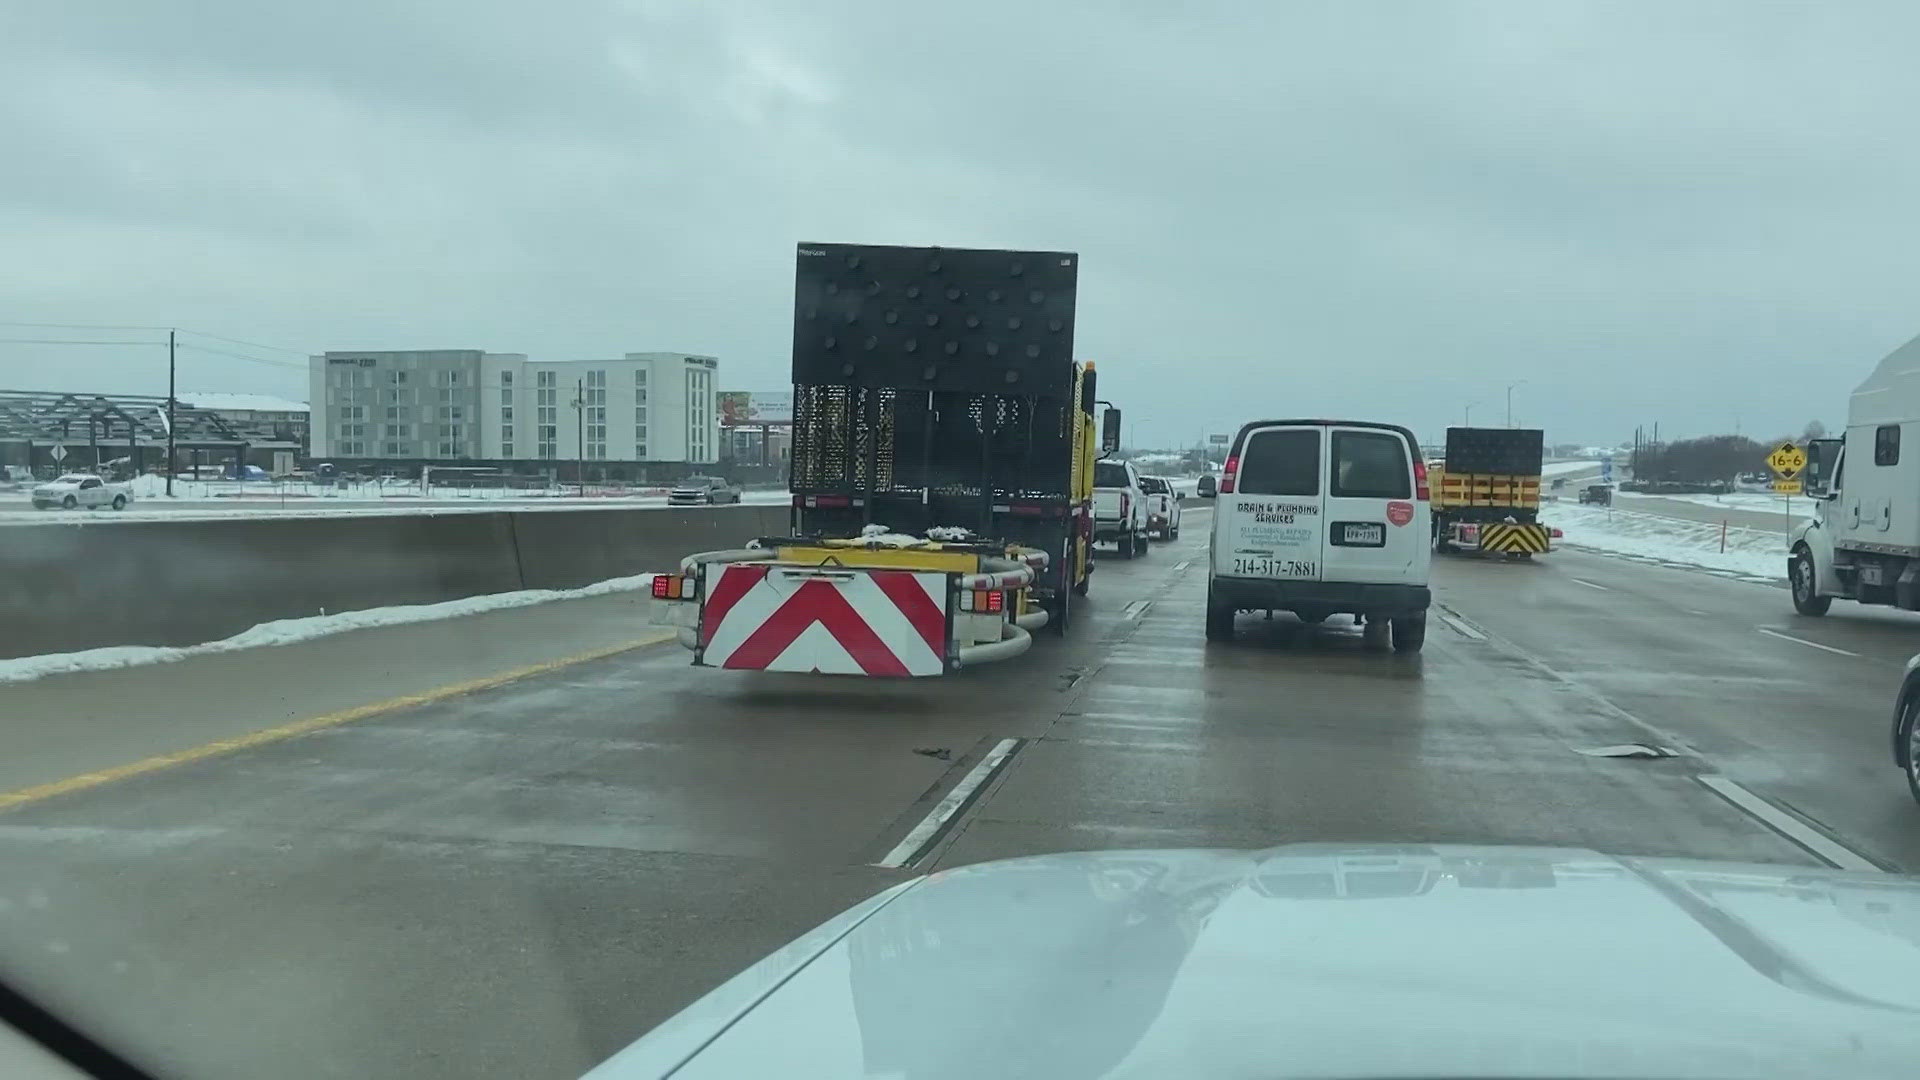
(1409, 633)
(1805, 584)
(1219, 619)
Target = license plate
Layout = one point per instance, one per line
(1269, 566)
(1363, 534)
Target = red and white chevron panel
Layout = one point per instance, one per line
(762, 617)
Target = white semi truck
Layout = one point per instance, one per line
(1863, 542)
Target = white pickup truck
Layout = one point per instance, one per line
(1163, 507)
(1119, 508)
(76, 490)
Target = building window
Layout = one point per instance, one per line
(546, 400)
(506, 396)
(393, 449)
(399, 431)
(506, 449)
(506, 433)
(506, 378)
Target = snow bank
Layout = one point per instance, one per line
(293, 631)
(1561, 468)
(1751, 553)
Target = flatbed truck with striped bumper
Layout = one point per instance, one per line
(941, 469)
(1486, 493)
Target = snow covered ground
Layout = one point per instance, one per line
(1770, 504)
(290, 631)
(1752, 554)
(1563, 468)
(218, 500)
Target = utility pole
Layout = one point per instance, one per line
(1467, 419)
(170, 334)
(1510, 387)
(580, 433)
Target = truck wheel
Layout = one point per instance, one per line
(69, 503)
(1908, 738)
(1374, 636)
(1060, 612)
(1409, 633)
(1175, 534)
(1219, 619)
(1806, 596)
(1140, 544)
(1126, 545)
(119, 502)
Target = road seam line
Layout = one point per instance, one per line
(922, 835)
(1590, 585)
(1137, 608)
(1804, 641)
(83, 781)
(1463, 629)
(1819, 844)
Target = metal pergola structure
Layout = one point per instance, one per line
(33, 422)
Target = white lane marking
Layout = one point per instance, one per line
(1702, 614)
(1463, 629)
(1590, 585)
(1182, 565)
(1824, 847)
(910, 845)
(1804, 641)
(1138, 608)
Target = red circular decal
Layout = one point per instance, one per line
(1399, 512)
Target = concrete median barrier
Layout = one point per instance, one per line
(67, 587)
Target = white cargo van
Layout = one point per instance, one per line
(1323, 517)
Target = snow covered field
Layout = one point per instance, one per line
(1565, 468)
(1753, 501)
(291, 631)
(1751, 554)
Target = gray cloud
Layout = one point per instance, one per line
(1382, 210)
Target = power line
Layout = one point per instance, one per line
(241, 356)
(83, 326)
(73, 341)
(248, 344)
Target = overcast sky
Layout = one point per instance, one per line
(1688, 213)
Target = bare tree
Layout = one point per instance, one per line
(1814, 430)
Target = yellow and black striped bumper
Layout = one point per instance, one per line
(1500, 536)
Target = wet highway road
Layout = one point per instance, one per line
(520, 879)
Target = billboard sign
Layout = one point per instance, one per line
(740, 408)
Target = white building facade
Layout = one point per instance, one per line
(469, 405)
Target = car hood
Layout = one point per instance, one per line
(1329, 961)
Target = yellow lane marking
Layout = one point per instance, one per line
(11, 799)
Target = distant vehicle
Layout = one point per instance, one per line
(12, 476)
(1597, 494)
(1486, 498)
(77, 490)
(1208, 487)
(1119, 508)
(1163, 507)
(1327, 517)
(244, 472)
(1863, 542)
(703, 491)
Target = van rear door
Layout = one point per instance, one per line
(1269, 524)
(1375, 531)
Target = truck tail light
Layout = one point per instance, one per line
(1125, 504)
(983, 601)
(672, 587)
(1420, 489)
(1226, 479)
(1555, 533)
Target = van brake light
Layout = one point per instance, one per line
(1420, 490)
(1226, 479)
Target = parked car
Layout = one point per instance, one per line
(703, 491)
(76, 490)
(1119, 508)
(1326, 517)
(1163, 507)
(1597, 494)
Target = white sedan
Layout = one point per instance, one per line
(75, 490)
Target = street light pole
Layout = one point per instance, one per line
(580, 434)
(170, 334)
(1510, 386)
(1468, 419)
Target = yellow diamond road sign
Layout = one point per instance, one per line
(1787, 460)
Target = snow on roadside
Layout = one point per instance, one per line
(1751, 553)
(293, 631)
(1561, 468)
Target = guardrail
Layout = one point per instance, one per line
(65, 587)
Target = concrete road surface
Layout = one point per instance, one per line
(517, 876)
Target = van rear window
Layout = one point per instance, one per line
(1281, 461)
(1371, 465)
